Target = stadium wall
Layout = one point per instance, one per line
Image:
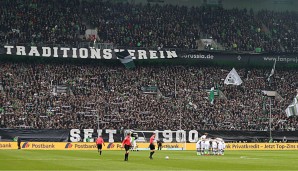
(142, 146)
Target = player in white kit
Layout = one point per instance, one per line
(198, 147)
(203, 143)
(207, 146)
(224, 147)
(203, 137)
(220, 146)
(214, 147)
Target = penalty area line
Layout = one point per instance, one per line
(245, 157)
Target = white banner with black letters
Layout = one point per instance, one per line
(93, 53)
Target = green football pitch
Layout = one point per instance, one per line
(178, 160)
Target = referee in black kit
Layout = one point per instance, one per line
(19, 142)
(159, 144)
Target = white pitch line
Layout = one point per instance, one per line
(245, 157)
(149, 170)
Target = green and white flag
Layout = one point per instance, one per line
(211, 95)
(296, 99)
(292, 109)
(272, 72)
(15, 139)
(233, 78)
(126, 59)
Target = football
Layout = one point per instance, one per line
(167, 157)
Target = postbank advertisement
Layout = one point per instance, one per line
(141, 146)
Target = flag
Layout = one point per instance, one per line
(264, 105)
(233, 78)
(292, 110)
(15, 139)
(211, 95)
(247, 69)
(126, 59)
(296, 99)
(272, 71)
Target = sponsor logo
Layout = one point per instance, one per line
(5, 145)
(171, 146)
(84, 146)
(252, 146)
(239, 57)
(26, 145)
(174, 149)
(111, 145)
(282, 59)
(68, 145)
(262, 146)
(51, 146)
(198, 56)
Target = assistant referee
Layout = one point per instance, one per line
(100, 142)
(126, 144)
(152, 146)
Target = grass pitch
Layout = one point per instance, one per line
(178, 160)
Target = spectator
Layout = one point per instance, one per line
(146, 26)
(77, 96)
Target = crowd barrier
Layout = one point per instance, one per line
(142, 146)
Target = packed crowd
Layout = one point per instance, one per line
(115, 97)
(237, 30)
(40, 22)
(146, 25)
(282, 28)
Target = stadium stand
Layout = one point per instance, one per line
(40, 22)
(40, 95)
(149, 25)
(67, 95)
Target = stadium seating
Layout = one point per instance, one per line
(65, 95)
(40, 22)
(146, 26)
(37, 95)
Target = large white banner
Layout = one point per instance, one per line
(167, 136)
(93, 53)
